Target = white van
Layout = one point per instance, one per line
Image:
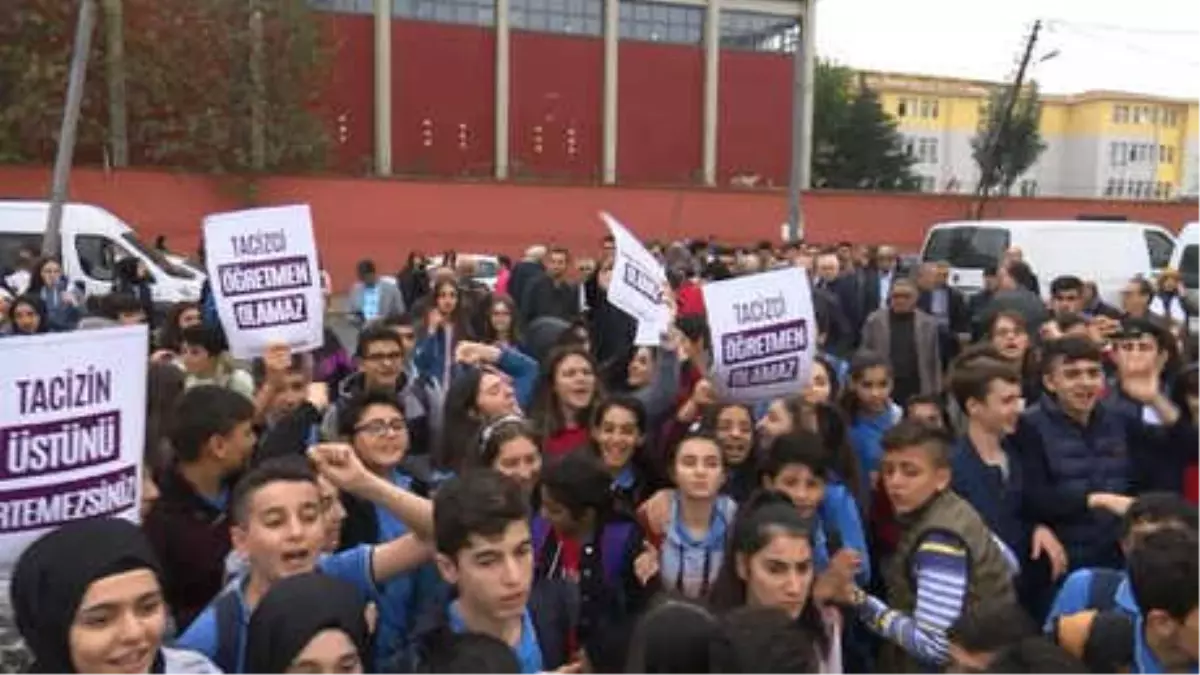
(1106, 252)
(1184, 258)
(93, 240)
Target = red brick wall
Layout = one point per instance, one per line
(385, 219)
(659, 113)
(754, 128)
(557, 94)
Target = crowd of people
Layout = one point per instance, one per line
(502, 480)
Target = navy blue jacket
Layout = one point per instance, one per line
(997, 498)
(1063, 462)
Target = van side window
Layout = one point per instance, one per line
(1160, 247)
(967, 246)
(97, 256)
(11, 244)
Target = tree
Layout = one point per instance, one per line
(190, 93)
(855, 142)
(1004, 151)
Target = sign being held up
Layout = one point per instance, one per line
(763, 334)
(638, 285)
(262, 265)
(72, 425)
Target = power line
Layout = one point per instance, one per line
(1114, 28)
(1130, 46)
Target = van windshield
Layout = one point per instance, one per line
(159, 259)
(967, 247)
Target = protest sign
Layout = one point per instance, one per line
(763, 334)
(72, 426)
(638, 284)
(262, 265)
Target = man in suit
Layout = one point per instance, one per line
(945, 304)
(844, 287)
(876, 280)
(372, 298)
(909, 337)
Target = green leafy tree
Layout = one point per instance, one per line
(187, 83)
(1003, 152)
(855, 142)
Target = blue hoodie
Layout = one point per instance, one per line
(838, 514)
(866, 435)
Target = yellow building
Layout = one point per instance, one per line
(1098, 143)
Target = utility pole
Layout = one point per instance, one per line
(52, 240)
(258, 85)
(114, 32)
(802, 105)
(996, 142)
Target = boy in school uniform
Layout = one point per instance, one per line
(485, 552)
(279, 527)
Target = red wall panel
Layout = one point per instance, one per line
(754, 129)
(348, 104)
(659, 113)
(557, 93)
(385, 219)
(443, 99)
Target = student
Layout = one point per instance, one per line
(618, 439)
(771, 564)
(509, 445)
(581, 542)
(1162, 636)
(986, 472)
(867, 404)
(946, 560)
(1103, 589)
(979, 635)
(290, 408)
(206, 359)
(469, 653)
(485, 551)
(278, 526)
(767, 640)
(1077, 450)
(87, 598)
(381, 367)
(377, 430)
(212, 440)
(1035, 655)
(677, 636)
(308, 623)
(732, 424)
(797, 466)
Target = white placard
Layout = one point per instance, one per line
(262, 264)
(763, 334)
(72, 430)
(638, 279)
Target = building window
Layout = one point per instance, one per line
(928, 184)
(926, 108)
(1120, 114)
(927, 151)
(1167, 154)
(935, 109)
(1170, 118)
(910, 147)
(472, 12)
(902, 108)
(660, 22)
(755, 31)
(1119, 188)
(570, 17)
(1029, 188)
(1111, 188)
(1168, 190)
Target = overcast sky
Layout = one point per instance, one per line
(1145, 46)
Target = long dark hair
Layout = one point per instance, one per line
(863, 361)
(834, 430)
(765, 515)
(490, 335)
(461, 421)
(36, 282)
(545, 412)
(171, 335)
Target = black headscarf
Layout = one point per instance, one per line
(294, 611)
(54, 574)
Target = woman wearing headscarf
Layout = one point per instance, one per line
(309, 623)
(100, 612)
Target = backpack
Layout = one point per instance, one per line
(228, 611)
(1103, 641)
(1102, 593)
(613, 538)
